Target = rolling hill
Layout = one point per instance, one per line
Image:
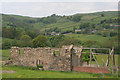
(63, 23)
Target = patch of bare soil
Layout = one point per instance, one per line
(5, 71)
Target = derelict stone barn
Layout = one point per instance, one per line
(68, 56)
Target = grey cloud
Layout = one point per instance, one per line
(39, 9)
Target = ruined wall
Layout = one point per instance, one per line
(77, 56)
(43, 56)
(69, 58)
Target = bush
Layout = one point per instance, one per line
(76, 18)
(6, 45)
(99, 34)
(26, 41)
(113, 34)
(86, 58)
(56, 39)
(40, 41)
(39, 66)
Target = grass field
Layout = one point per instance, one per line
(24, 72)
(5, 54)
(86, 37)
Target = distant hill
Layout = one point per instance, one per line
(63, 24)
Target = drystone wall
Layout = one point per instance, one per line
(43, 56)
(68, 58)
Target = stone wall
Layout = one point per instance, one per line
(43, 56)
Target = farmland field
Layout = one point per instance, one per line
(85, 37)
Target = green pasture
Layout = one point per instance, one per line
(27, 72)
(5, 54)
(86, 37)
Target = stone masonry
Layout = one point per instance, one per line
(44, 56)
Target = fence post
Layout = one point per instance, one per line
(113, 61)
(90, 56)
(108, 58)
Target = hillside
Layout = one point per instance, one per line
(95, 28)
(62, 23)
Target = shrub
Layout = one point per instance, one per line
(40, 41)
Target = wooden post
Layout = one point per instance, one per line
(113, 61)
(71, 53)
(80, 57)
(109, 56)
(90, 56)
(103, 62)
(95, 60)
(113, 57)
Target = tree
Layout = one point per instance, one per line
(6, 44)
(102, 15)
(84, 25)
(76, 18)
(32, 34)
(86, 58)
(9, 32)
(56, 39)
(49, 20)
(53, 15)
(40, 41)
(74, 29)
(113, 34)
(26, 41)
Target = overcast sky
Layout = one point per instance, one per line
(59, 0)
(40, 9)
